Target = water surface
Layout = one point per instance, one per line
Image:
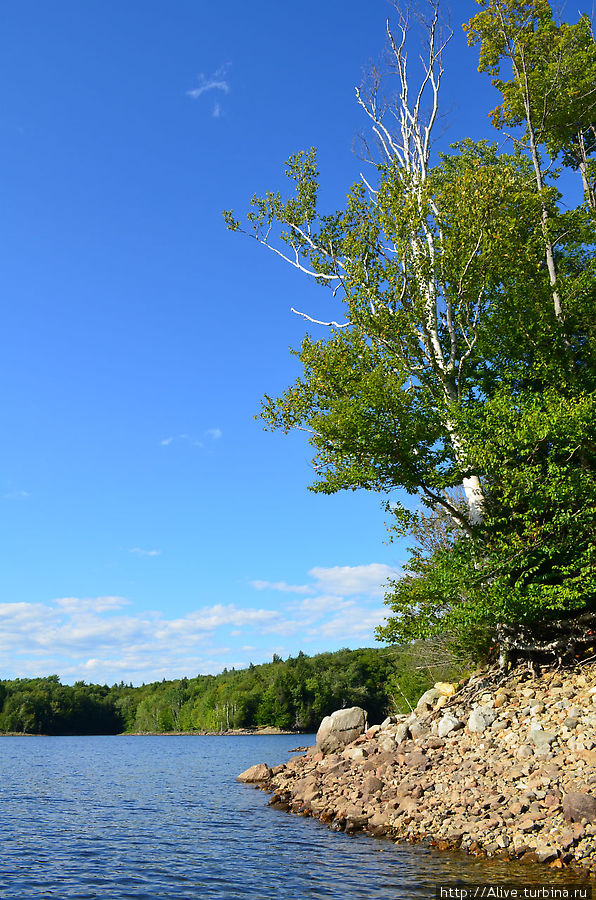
(163, 817)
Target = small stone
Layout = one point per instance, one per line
(448, 724)
(480, 718)
(540, 738)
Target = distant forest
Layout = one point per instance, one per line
(294, 695)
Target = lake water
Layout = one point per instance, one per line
(163, 817)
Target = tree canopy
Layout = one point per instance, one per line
(462, 366)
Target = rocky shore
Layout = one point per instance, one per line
(501, 766)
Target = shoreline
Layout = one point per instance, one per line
(232, 732)
(504, 768)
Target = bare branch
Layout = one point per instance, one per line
(318, 322)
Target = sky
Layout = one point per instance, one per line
(149, 527)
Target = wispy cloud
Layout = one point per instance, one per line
(281, 586)
(138, 551)
(215, 82)
(208, 437)
(16, 495)
(342, 603)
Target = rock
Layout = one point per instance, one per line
(417, 760)
(260, 772)
(372, 784)
(340, 728)
(447, 724)
(480, 718)
(387, 745)
(578, 806)
(356, 754)
(418, 728)
(402, 733)
(428, 698)
(541, 738)
(445, 688)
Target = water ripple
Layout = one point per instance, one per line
(130, 818)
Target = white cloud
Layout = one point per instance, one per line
(340, 580)
(214, 433)
(281, 586)
(354, 624)
(216, 112)
(369, 579)
(104, 639)
(140, 552)
(77, 637)
(16, 495)
(91, 604)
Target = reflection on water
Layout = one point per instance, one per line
(163, 817)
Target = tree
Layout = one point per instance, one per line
(552, 91)
(467, 338)
(416, 259)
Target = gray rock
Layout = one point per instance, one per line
(418, 728)
(429, 698)
(340, 728)
(447, 724)
(542, 738)
(260, 772)
(480, 718)
(578, 806)
(387, 744)
(402, 733)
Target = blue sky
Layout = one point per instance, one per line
(149, 527)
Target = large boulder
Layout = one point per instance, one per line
(340, 728)
(260, 772)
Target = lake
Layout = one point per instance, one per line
(162, 816)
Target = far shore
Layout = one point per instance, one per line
(232, 732)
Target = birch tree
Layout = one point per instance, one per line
(414, 258)
(447, 367)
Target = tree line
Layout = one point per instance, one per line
(293, 695)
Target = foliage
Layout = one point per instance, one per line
(465, 357)
(293, 695)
